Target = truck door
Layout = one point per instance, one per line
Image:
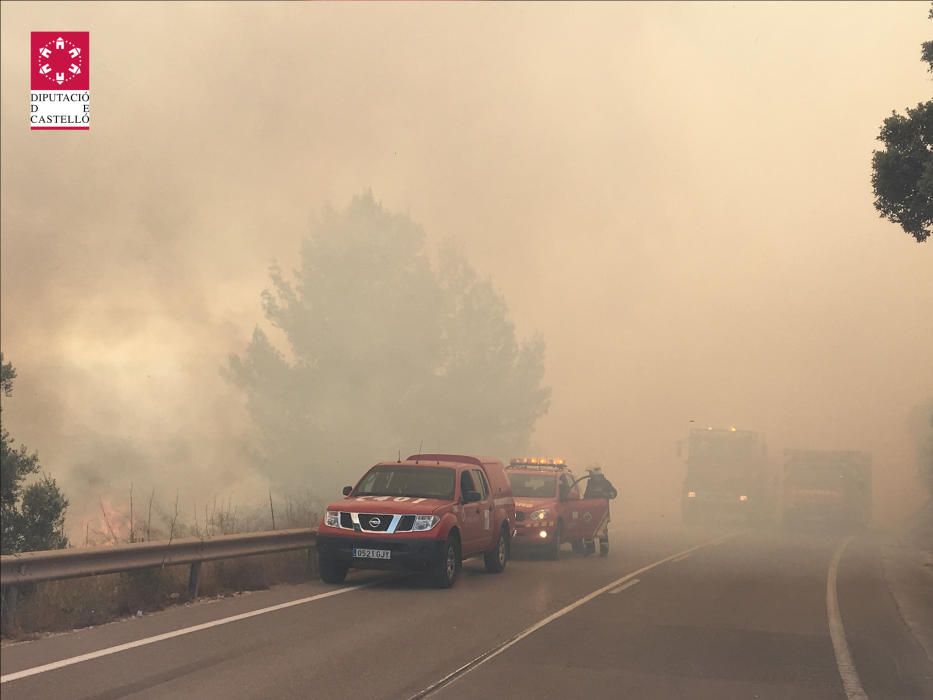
(474, 534)
(594, 515)
(487, 509)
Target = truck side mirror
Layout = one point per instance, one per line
(347, 490)
(472, 496)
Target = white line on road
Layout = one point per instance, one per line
(495, 651)
(680, 558)
(25, 673)
(633, 582)
(850, 679)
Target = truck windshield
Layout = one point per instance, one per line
(417, 482)
(533, 485)
(723, 447)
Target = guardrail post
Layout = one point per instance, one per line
(194, 580)
(8, 596)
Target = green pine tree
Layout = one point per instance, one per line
(385, 351)
(32, 514)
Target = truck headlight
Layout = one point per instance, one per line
(743, 498)
(332, 518)
(691, 494)
(424, 522)
(539, 514)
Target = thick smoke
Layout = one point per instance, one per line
(676, 196)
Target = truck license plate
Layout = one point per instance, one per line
(359, 553)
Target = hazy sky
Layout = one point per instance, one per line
(677, 196)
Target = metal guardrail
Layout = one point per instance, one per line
(32, 567)
(54, 565)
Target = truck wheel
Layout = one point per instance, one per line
(577, 545)
(589, 547)
(604, 547)
(331, 570)
(553, 550)
(445, 568)
(498, 556)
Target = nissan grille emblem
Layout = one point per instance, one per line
(374, 523)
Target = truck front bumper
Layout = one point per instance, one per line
(410, 553)
(527, 535)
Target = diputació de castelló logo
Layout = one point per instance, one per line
(60, 81)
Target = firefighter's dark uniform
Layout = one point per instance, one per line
(598, 486)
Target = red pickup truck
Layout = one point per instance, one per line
(550, 511)
(427, 513)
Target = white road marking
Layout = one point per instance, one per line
(495, 651)
(850, 679)
(629, 584)
(680, 558)
(35, 670)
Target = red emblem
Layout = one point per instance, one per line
(60, 61)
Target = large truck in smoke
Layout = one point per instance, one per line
(827, 487)
(727, 477)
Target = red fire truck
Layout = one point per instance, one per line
(551, 510)
(827, 487)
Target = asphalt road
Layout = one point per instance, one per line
(742, 617)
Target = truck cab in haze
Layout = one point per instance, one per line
(727, 477)
(826, 487)
(550, 509)
(427, 513)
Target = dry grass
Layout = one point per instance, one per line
(158, 519)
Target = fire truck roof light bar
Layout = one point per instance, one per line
(537, 463)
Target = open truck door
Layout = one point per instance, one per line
(595, 512)
(594, 525)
